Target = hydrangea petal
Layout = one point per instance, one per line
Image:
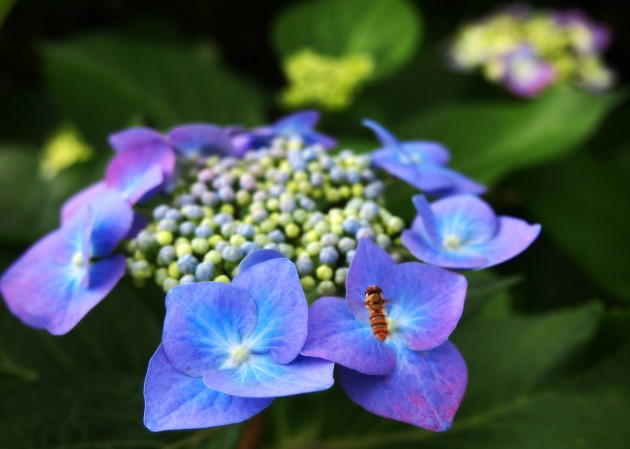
(112, 219)
(104, 276)
(282, 308)
(425, 223)
(368, 264)
(333, 330)
(262, 377)
(513, 237)
(133, 138)
(201, 140)
(468, 217)
(386, 138)
(204, 321)
(430, 152)
(257, 257)
(424, 390)
(46, 290)
(137, 174)
(111, 215)
(138, 223)
(38, 285)
(302, 123)
(80, 199)
(424, 303)
(176, 401)
(425, 251)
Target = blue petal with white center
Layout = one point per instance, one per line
(174, 400)
(281, 306)
(420, 164)
(470, 235)
(55, 283)
(261, 377)
(205, 325)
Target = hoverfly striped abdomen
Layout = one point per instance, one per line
(375, 303)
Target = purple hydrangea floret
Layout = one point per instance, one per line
(69, 271)
(415, 374)
(420, 164)
(228, 349)
(300, 124)
(463, 232)
(526, 74)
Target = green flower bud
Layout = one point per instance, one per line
(324, 273)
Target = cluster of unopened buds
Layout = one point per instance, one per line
(248, 228)
(529, 50)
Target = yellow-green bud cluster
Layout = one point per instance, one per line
(308, 204)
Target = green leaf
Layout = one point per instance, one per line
(387, 30)
(104, 83)
(34, 202)
(20, 194)
(583, 205)
(490, 139)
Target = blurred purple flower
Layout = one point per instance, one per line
(415, 374)
(420, 164)
(463, 232)
(526, 74)
(67, 272)
(228, 350)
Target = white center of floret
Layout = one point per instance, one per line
(452, 242)
(77, 259)
(239, 355)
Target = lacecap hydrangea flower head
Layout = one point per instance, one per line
(528, 50)
(249, 226)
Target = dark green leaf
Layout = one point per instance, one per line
(104, 83)
(582, 203)
(387, 30)
(488, 140)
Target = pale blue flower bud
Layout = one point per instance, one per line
(232, 254)
(304, 265)
(187, 279)
(187, 264)
(346, 244)
(187, 228)
(246, 230)
(160, 211)
(205, 271)
(209, 199)
(204, 231)
(328, 255)
(167, 224)
(249, 247)
(166, 255)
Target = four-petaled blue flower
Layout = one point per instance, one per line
(228, 350)
(463, 232)
(415, 374)
(69, 271)
(420, 164)
(300, 124)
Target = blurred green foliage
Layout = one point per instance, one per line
(546, 336)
